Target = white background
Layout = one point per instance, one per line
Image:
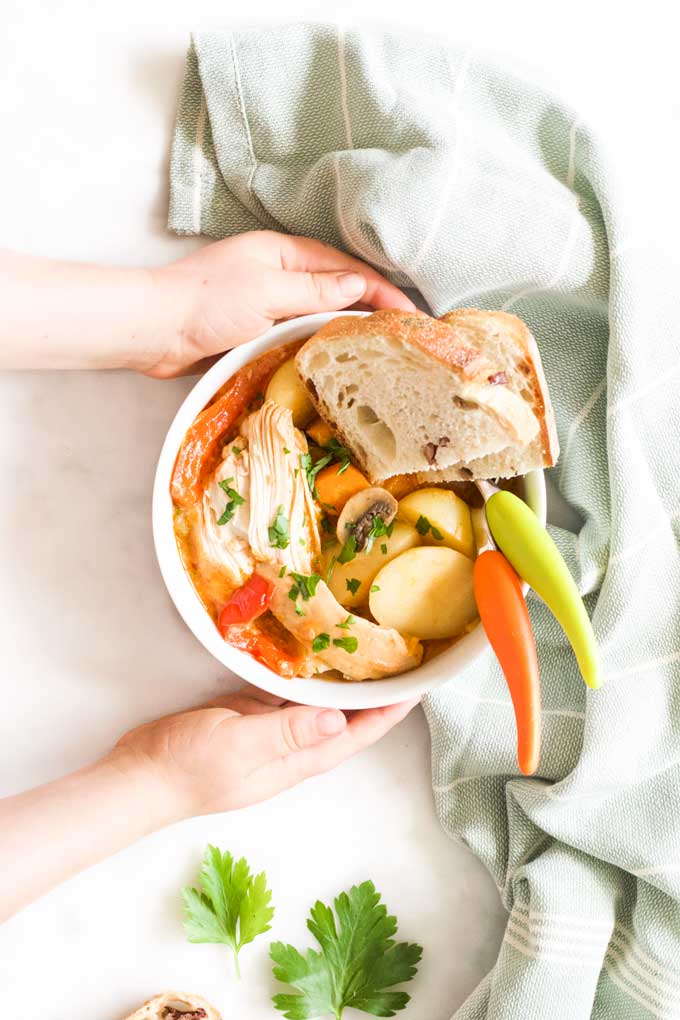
(89, 642)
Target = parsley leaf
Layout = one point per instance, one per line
(348, 551)
(282, 572)
(321, 642)
(353, 584)
(333, 451)
(375, 587)
(234, 500)
(346, 624)
(286, 450)
(306, 586)
(436, 533)
(278, 532)
(233, 905)
(350, 644)
(383, 549)
(359, 960)
(236, 450)
(329, 572)
(378, 529)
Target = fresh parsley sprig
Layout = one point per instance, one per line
(233, 906)
(358, 961)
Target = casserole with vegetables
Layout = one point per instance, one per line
(322, 497)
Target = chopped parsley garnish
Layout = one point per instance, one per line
(305, 586)
(423, 526)
(286, 450)
(383, 549)
(378, 530)
(346, 624)
(353, 584)
(278, 532)
(236, 450)
(375, 587)
(282, 572)
(321, 642)
(350, 644)
(234, 500)
(299, 611)
(331, 565)
(326, 524)
(348, 551)
(334, 451)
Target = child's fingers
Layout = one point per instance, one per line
(274, 736)
(364, 729)
(306, 255)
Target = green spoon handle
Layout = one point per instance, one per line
(527, 545)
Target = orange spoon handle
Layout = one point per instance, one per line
(505, 619)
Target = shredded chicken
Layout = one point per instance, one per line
(227, 545)
(279, 484)
(263, 466)
(380, 651)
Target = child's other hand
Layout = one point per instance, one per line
(233, 290)
(243, 748)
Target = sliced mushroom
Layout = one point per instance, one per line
(360, 512)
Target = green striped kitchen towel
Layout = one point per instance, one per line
(478, 188)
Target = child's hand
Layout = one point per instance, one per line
(244, 748)
(233, 290)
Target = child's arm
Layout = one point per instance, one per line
(164, 322)
(236, 751)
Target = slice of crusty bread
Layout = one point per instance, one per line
(176, 1006)
(451, 399)
(507, 340)
(409, 394)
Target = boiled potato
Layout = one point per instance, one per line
(426, 592)
(365, 566)
(287, 389)
(446, 513)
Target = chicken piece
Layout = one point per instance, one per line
(380, 651)
(226, 545)
(279, 491)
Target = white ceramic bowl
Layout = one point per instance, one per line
(327, 693)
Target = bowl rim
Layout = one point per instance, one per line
(323, 693)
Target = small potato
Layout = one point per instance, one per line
(425, 592)
(365, 566)
(446, 513)
(287, 389)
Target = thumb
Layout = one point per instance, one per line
(278, 734)
(292, 293)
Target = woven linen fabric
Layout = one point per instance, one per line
(455, 176)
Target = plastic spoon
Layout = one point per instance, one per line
(529, 548)
(506, 622)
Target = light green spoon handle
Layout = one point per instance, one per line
(527, 545)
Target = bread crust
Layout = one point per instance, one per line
(456, 341)
(479, 322)
(153, 1008)
(433, 336)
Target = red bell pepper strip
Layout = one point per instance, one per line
(214, 422)
(264, 649)
(246, 604)
(505, 619)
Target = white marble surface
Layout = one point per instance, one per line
(90, 642)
